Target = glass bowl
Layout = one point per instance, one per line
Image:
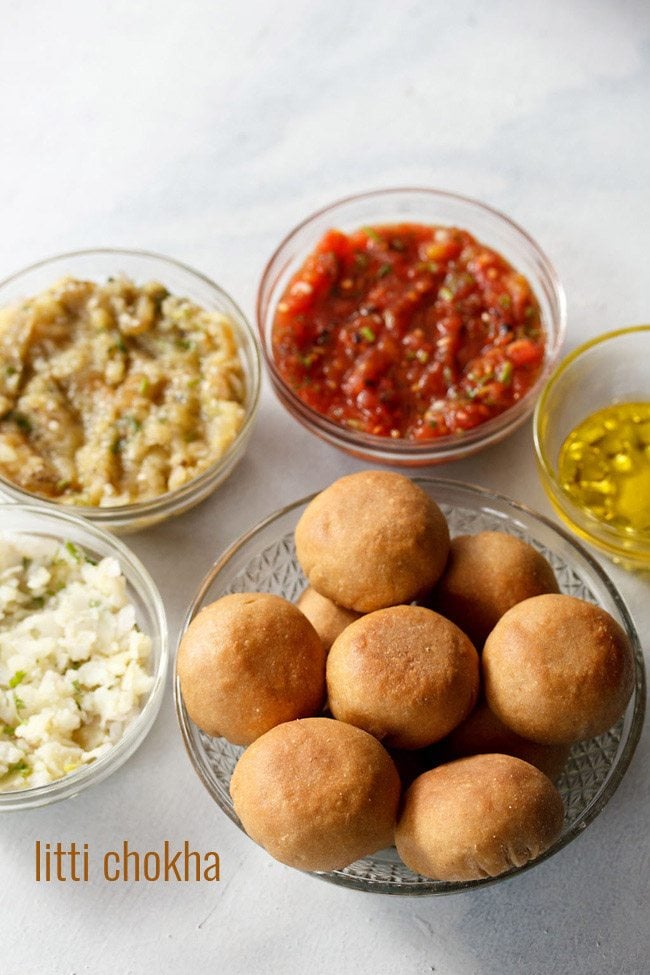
(33, 520)
(264, 560)
(611, 368)
(425, 206)
(181, 280)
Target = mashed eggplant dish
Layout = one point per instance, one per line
(115, 393)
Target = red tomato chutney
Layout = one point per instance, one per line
(407, 331)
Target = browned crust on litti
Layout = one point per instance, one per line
(328, 619)
(478, 817)
(483, 733)
(558, 669)
(248, 662)
(404, 674)
(487, 574)
(372, 539)
(317, 794)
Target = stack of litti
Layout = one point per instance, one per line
(458, 664)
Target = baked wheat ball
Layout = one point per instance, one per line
(404, 674)
(558, 669)
(328, 619)
(248, 662)
(478, 817)
(372, 539)
(317, 794)
(485, 575)
(483, 733)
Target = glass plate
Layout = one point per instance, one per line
(264, 560)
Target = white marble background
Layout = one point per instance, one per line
(205, 131)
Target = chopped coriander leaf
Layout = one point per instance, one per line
(422, 356)
(144, 386)
(185, 344)
(384, 270)
(505, 301)
(11, 371)
(504, 373)
(22, 422)
(397, 244)
(367, 333)
(160, 297)
(116, 446)
(19, 704)
(17, 679)
(361, 259)
(26, 563)
(20, 766)
(429, 266)
(120, 345)
(38, 602)
(72, 550)
(372, 233)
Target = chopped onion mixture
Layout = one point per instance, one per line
(73, 662)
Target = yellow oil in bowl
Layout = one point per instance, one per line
(604, 466)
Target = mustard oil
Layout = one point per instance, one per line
(604, 466)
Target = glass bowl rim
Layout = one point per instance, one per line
(126, 513)
(73, 783)
(602, 534)
(470, 439)
(482, 495)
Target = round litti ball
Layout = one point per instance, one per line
(558, 669)
(404, 674)
(485, 575)
(483, 733)
(372, 539)
(478, 817)
(317, 794)
(328, 619)
(248, 662)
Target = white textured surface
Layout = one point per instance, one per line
(206, 130)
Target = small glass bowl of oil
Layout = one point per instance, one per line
(592, 439)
